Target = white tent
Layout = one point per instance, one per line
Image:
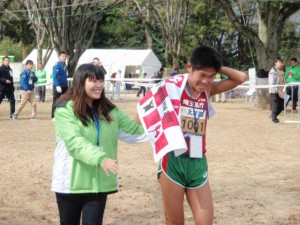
(135, 62)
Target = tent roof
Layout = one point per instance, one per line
(112, 59)
(119, 57)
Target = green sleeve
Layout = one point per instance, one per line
(297, 74)
(70, 130)
(129, 125)
(286, 74)
(129, 130)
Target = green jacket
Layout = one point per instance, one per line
(41, 75)
(77, 157)
(296, 74)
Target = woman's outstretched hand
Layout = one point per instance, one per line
(110, 165)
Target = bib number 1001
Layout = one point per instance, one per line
(188, 125)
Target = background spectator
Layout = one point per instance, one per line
(142, 88)
(292, 74)
(27, 81)
(175, 72)
(60, 78)
(42, 80)
(7, 84)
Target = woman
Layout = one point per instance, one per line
(87, 128)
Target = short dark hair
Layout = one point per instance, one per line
(63, 52)
(96, 58)
(205, 56)
(29, 62)
(294, 59)
(6, 57)
(278, 59)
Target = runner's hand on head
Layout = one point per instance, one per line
(110, 165)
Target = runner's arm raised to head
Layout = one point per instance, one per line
(235, 78)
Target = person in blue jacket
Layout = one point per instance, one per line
(60, 75)
(175, 72)
(27, 81)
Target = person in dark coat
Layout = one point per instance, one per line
(7, 84)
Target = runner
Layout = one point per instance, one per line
(183, 172)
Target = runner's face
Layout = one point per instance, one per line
(93, 89)
(202, 79)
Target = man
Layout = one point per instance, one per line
(117, 86)
(276, 77)
(97, 62)
(175, 72)
(42, 80)
(128, 86)
(142, 88)
(7, 84)
(27, 81)
(175, 112)
(292, 74)
(159, 75)
(60, 79)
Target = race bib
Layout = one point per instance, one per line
(188, 123)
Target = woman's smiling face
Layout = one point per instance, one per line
(93, 89)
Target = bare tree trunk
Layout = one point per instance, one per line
(148, 34)
(72, 27)
(25, 49)
(171, 15)
(146, 18)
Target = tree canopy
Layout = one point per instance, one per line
(246, 33)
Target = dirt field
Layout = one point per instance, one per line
(254, 171)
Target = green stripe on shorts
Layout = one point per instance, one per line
(187, 172)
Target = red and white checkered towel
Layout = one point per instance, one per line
(160, 116)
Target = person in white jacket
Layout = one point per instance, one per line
(117, 86)
(276, 77)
